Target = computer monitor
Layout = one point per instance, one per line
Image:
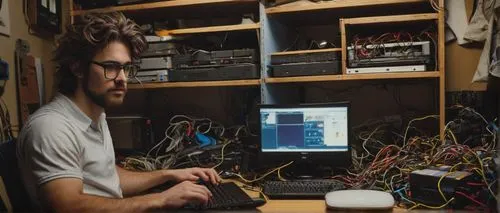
(312, 134)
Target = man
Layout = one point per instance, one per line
(65, 150)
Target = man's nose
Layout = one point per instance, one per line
(121, 76)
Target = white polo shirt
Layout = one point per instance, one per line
(60, 141)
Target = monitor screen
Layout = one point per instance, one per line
(312, 129)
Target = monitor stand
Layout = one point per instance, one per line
(303, 170)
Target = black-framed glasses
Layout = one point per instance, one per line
(112, 69)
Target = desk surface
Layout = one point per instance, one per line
(294, 206)
(308, 206)
(314, 206)
(318, 206)
(298, 206)
(291, 206)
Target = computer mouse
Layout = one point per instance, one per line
(359, 199)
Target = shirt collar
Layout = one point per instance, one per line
(81, 119)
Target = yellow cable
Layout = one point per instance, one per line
(279, 175)
(386, 185)
(416, 119)
(263, 176)
(243, 179)
(263, 195)
(486, 182)
(453, 136)
(488, 158)
(222, 155)
(439, 186)
(431, 207)
(248, 187)
(483, 175)
(467, 161)
(442, 177)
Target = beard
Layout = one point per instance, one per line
(101, 99)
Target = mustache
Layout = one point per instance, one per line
(119, 85)
(123, 88)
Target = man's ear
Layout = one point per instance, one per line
(76, 69)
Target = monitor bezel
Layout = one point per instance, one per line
(329, 158)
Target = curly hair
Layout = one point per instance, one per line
(87, 36)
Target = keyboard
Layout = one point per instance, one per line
(227, 196)
(300, 189)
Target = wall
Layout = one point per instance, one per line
(41, 48)
(461, 64)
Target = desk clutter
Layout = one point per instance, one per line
(425, 172)
(419, 170)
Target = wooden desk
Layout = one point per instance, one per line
(300, 206)
(305, 206)
(291, 206)
(318, 206)
(310, 206)
(315, 206)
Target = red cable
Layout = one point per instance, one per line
(475, 184)
(472, 199)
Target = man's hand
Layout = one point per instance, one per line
(184, 193)
(193, 174)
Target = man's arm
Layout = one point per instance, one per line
(133, 183)
(66, 195)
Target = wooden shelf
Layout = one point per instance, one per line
(160, 5)
(225, 28)
(251, 82)
(371, 76)
(391, 19)
(337, 4)
(307, 51)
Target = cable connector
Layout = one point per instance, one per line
(204, 140)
